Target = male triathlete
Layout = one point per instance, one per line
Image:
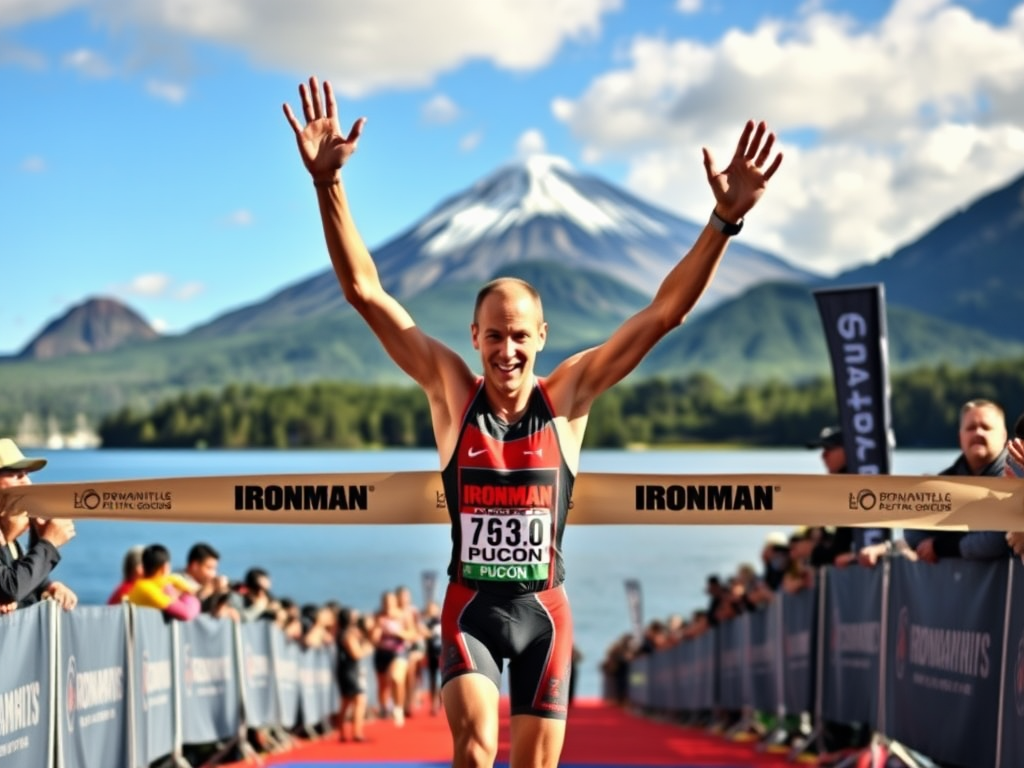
(509, 442)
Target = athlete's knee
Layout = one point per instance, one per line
(474, 749)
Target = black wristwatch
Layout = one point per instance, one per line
(723, 226)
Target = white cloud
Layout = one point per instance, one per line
(18, 56)
(170, 92)
(689, 6)
(16, 12)
(470, 141)
(530, 142)
(33, 164)
(239, 218)
(886, 129)
(188, 291)
(151, 284)
(364, 47)
(157, 285)
(159, 325)
(439, 110)
(88, 63)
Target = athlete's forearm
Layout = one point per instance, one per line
(689, 279)
(350, 257)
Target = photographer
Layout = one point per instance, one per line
(25, 573)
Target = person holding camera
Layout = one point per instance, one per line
(25, 573)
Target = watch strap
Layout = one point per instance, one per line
(723, 226)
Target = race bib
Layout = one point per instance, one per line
(506, 545)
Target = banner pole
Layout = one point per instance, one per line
(1007, 614)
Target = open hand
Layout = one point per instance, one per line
(322, 147)
(743, 181)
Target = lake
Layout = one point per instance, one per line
(355, 563)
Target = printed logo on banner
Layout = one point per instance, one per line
(155, 683)
(1018, 687)
(131, 501)
(257, 666)
(71, 694)
(186, 665)
(864, 499)
(275, 498)
(902, 642)
(144, 683)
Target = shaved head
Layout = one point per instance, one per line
(507, 286)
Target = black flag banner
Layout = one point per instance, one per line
(855, 331)
(635, 606)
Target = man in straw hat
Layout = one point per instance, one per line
(24, 574)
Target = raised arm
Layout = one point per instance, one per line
(736, 189)
(324, 150)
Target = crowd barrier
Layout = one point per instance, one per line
(930, 656)
(121, 686)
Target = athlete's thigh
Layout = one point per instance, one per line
(540, 671)
(536, 741)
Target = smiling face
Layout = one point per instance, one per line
(508, 330)
(982, 434)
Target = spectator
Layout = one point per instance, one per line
(354, 644)
(983, 451)
(432, 622)
(131, 569)
(844, 545)
(800, 574)
(253, 598)
(774, 559)
(24, 574)
(159, 588)
(1015, 453)
(201, 572)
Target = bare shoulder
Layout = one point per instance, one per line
(566, 387)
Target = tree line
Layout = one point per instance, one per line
(656, 412)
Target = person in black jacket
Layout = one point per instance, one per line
(983, 438)
(24, 574)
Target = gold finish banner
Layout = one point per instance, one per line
(385, 498)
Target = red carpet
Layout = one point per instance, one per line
(598, 735)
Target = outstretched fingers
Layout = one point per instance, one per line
(754, 143)
(744, 142)
(773, 167)
(314, 95)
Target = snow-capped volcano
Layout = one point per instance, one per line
(541, 209)
(536, 210)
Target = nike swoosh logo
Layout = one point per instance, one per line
(538, 452)
(474, 452)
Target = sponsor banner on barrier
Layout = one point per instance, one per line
(887, 501)
(259, 689)
(639, 680)
(206, 676)
(799, 622)
(286, 658)
(733, 670)
(1012, 747)
(26, 688)
(943, 658)
(852, 645)
(763, 657)
(93, 683)
(153, 669)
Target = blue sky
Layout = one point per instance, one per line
(144, 154)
